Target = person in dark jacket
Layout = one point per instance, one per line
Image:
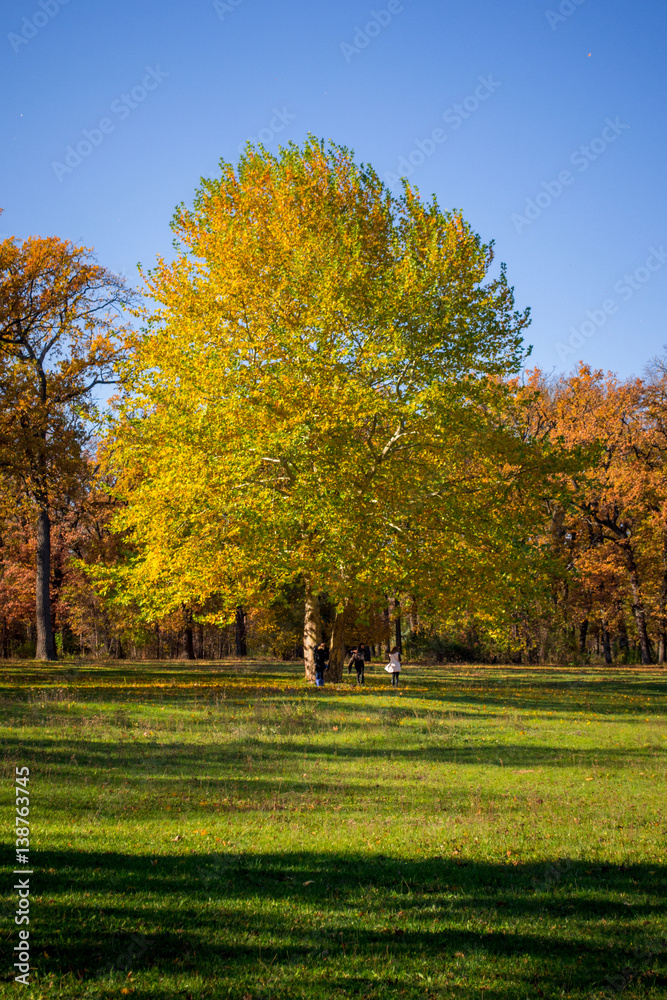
(357, 661)
(321, 664)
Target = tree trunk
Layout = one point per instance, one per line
(157, 641)
(387, 630)
(200, 642)
(337, 648)
(583, 633)
(312, 631)
(398, 630)
(46, 646)
(638, 605)
(240, 637)
(606, 644)
(188, 645)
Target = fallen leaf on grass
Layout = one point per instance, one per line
(309, 882)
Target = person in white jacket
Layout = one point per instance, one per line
(394, 666)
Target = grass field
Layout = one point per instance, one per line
(229, 831)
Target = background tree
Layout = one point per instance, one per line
(59, 340)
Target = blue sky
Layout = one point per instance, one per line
(544, 121)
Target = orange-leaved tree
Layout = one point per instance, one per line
(617, 496)
(61, 332)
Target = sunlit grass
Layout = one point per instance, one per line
(208, 832)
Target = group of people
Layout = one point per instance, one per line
(358, 659)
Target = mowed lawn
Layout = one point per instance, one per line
(229, 831)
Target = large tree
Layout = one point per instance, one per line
(320, 396)
(59, 339)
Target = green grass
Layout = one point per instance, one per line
(204, 832)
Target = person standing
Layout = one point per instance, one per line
(321, 657)
(358, 662)
(394, 666)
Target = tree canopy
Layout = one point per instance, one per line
(322, 393)
(60, 337)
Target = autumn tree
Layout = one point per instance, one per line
(60, 337)
(319, 397)
(613, 528)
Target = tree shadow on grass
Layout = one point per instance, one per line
(219, 762)
(177, 685)
(333, 917)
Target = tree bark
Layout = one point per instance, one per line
(583, 633)
(606, 643)
(337, 647)
(623, 644)
(240, 635)
(387, 629)
(637, 605)
(312, 631)
(188, 644)
(46, 646)
(398, 630)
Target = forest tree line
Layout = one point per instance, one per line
(323, 427)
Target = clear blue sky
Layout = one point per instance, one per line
(179, 85)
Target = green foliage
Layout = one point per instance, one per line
(321, 394)
(438, 649)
